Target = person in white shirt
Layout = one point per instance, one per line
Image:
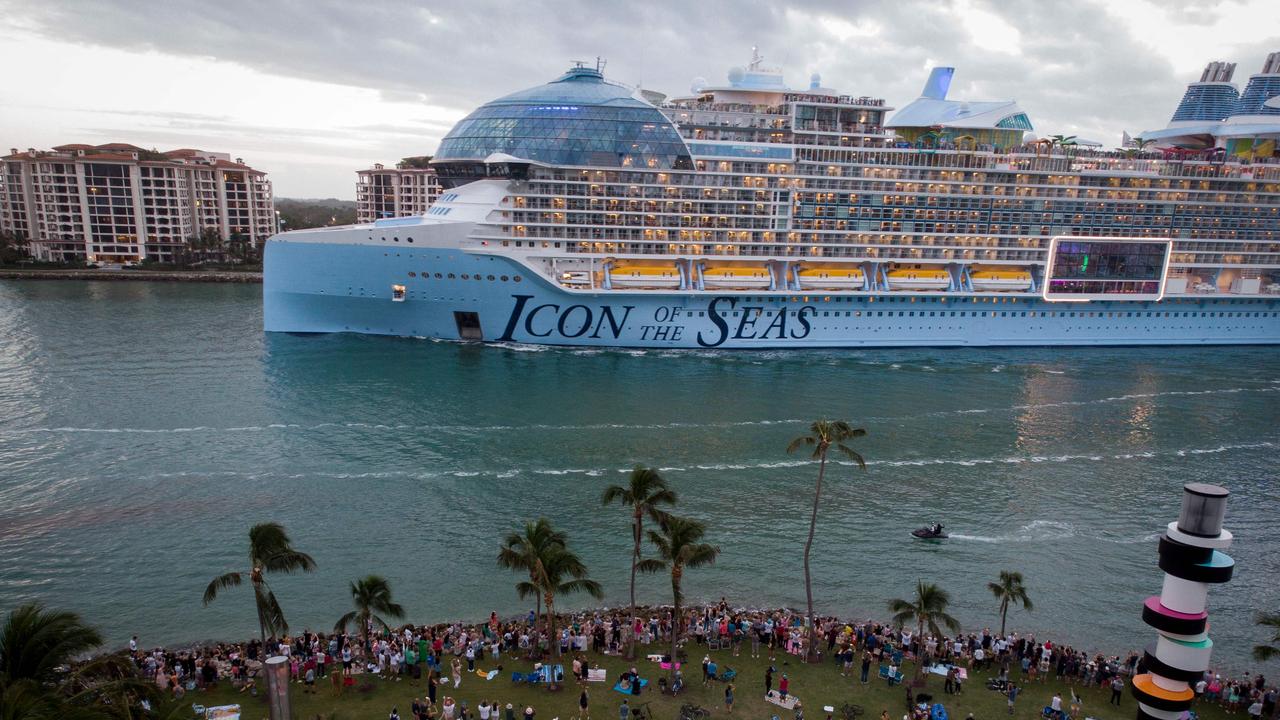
(133, 644)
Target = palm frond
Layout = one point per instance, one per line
(590, 587)
(222, 582)
(287, 560)
(799, 442)
(650, 566)
(852, 454)
(344, 622)
(272, 615)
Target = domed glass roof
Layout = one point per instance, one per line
(577, 119)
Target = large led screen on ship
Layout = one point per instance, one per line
(1082, 269)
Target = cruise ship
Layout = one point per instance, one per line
(749, 214)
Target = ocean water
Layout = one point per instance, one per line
(144, 427)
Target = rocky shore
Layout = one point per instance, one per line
(208, 276)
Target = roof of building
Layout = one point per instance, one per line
(933, 109)
(576, 119)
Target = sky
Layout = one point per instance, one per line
(312, 91)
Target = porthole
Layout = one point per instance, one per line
(516, 278)
(409, 239)
(450, 276)
(465, 276)
(504, 278)
(396, 239)
(413, 274)
(437, 276)
(490, 278)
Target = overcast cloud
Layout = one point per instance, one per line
(311, 91)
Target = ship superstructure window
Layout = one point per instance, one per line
(1081, 268)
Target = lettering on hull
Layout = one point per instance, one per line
(563, 321)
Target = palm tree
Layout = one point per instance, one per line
(929, 610)
(553, 569)
(823, 435)
(370, 594)
(1008, 590)
(1263, 653)
(521, 551)
(269, 551)
(41, 676)
(644, 492)
(680, 547)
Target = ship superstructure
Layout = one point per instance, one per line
(753, 215)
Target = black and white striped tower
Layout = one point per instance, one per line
(1191, 558)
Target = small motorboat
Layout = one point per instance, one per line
(930, 532)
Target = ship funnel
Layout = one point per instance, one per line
(1218, 72)
(935, 88)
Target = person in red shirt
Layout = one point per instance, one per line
(783, 685)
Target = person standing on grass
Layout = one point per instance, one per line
(866, 666)
(768, 680)
(584, 702)
(624, 710)
(728, 698)
(1117, 688)
(783, 685)
(1012, 695)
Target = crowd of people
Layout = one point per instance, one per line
(441, 657)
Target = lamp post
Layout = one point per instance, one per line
(277, 668)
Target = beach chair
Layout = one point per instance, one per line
(533, 678)
(897, 658)
(713, 643)
(728, 675)
(517, 677)
(884, 672)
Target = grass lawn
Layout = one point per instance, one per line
(815, 685)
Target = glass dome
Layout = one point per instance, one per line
(577, 119)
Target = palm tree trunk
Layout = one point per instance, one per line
(262, 633)
(919, 653)
(675, 621)
(635, 558)
(1004, 612)
(551, 627)
(811, 652)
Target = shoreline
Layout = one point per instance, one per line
(203, 276)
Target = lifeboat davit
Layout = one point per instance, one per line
(996, 279)
(919, 277)
(644, 276)
(736, 276)
(831, 278)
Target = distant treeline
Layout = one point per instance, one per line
(298, 214)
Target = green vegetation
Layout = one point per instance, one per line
(644, 492)
(269, 551)
(1009, 589)
(928, 609)
(371, 594)
(299, 214)
(823, 434)
(38, 680)
(415, 162)
(13, 249)
(680, 547)
(554, 569)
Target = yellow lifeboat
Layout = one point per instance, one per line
(919, 277)
(996, 279)
(826, 277)
(644, 276)
(736, 276)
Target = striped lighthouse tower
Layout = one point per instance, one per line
(1191, 558)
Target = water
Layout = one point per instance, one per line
(145, 427)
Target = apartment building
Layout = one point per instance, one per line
(119, 203)
(407, 189)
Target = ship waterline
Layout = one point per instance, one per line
(753, 216)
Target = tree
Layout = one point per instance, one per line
(644, 492)
(553, 569)
(13, 249)
(680, 547)
(1263, 653)
(270, 551)
(823, 435)
(41, 675)
(928, 610)
(1009, 589)
(371, 594)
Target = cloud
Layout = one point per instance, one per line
(1079, 68)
